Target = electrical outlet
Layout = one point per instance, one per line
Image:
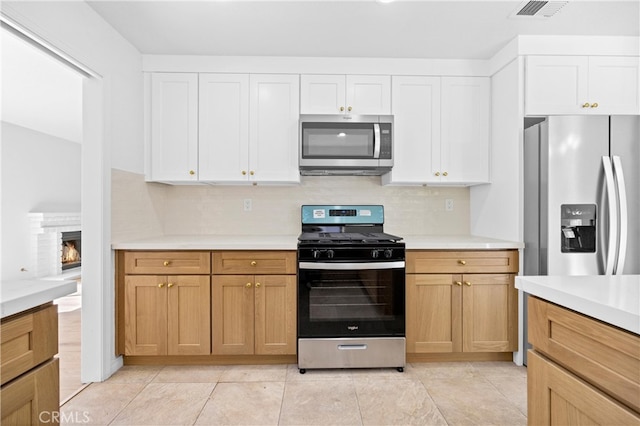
(247, 204)
(448, 205)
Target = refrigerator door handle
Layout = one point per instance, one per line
(613, 215)
(624, 217)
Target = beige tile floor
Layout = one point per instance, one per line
(476, 393)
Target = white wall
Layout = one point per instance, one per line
(495, 208)
(40, 173)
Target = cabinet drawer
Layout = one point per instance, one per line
(461, 262)
(254, 262)
(167, 262)
(605, 356)
(34, 398)
(28, 340)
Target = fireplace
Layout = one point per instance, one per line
(71, 249)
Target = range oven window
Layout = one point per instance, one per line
(351, 303)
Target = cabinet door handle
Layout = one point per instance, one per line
(457, 283)
(252, 173)
(248, 285)
(445, 174)
(160, 285)
(349, 109)
(462, 262)
(170, 285)
(341, 109)
(467, 283)
(586, 105)
(594, 105)
(166, 263)
(191, 172)
(244, 173)
(437, 173)
(258, 285)
(254, 263)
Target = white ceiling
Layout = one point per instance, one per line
(362, 28)
(38, 92)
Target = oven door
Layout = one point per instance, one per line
(357, 299)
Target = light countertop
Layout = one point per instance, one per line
(289, 242)
(614, 299)
(20, 295)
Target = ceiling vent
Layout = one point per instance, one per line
(538, 9)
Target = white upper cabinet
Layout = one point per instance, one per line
(582, 85)
(224, 127)
(174, 127)
(441, 131)
(273, 137)
(340, 94)
(464, 147)
(416, 129)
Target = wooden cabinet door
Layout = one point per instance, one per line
(556, 84)
(322, 94)
(224, 127)
(174, 127)
(614, 84)
(489, 312)
(145, 312)
(434, 313)
(189, 315)
(232, 314)
(273, 137)
(368, 94)
(556, 396)
(415, 105)
(34, 398)
(275, 314)
(464, 148)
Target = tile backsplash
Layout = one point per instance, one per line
(143, 209)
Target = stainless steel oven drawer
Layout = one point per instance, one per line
(346, 352)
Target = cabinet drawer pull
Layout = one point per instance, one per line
(166, 263)
(462, 262)
(254, 263)
(467, 283)
(248, 285)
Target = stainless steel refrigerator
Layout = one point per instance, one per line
(581, 196)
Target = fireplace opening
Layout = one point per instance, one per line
(71, 249)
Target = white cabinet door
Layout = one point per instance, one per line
(464, 146)
(340, 94)
(224, 127)
(368, 94)
(416, 112)
(273, 137)
(556, 85)
(322, 94)
(174, 127)
(613, 84)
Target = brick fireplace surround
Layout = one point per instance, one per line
(46, 242)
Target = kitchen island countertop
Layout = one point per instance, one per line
(613, 299)
(20, 295)
(289, 242)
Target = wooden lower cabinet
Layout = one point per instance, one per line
(167, 315)
(33, 398)
(254, 314)
(467, 311)
(557, 397)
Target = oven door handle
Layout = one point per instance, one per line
(353, 266)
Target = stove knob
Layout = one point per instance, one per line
(375, 254)
(388, 253)
(330, 254)
(315, 254)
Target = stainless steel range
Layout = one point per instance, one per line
(351, 289)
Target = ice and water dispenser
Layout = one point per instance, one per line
(578, 223)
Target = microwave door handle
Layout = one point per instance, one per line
(376, 140)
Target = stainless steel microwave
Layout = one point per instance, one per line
(346, 145)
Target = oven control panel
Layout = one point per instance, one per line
(361, 253)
